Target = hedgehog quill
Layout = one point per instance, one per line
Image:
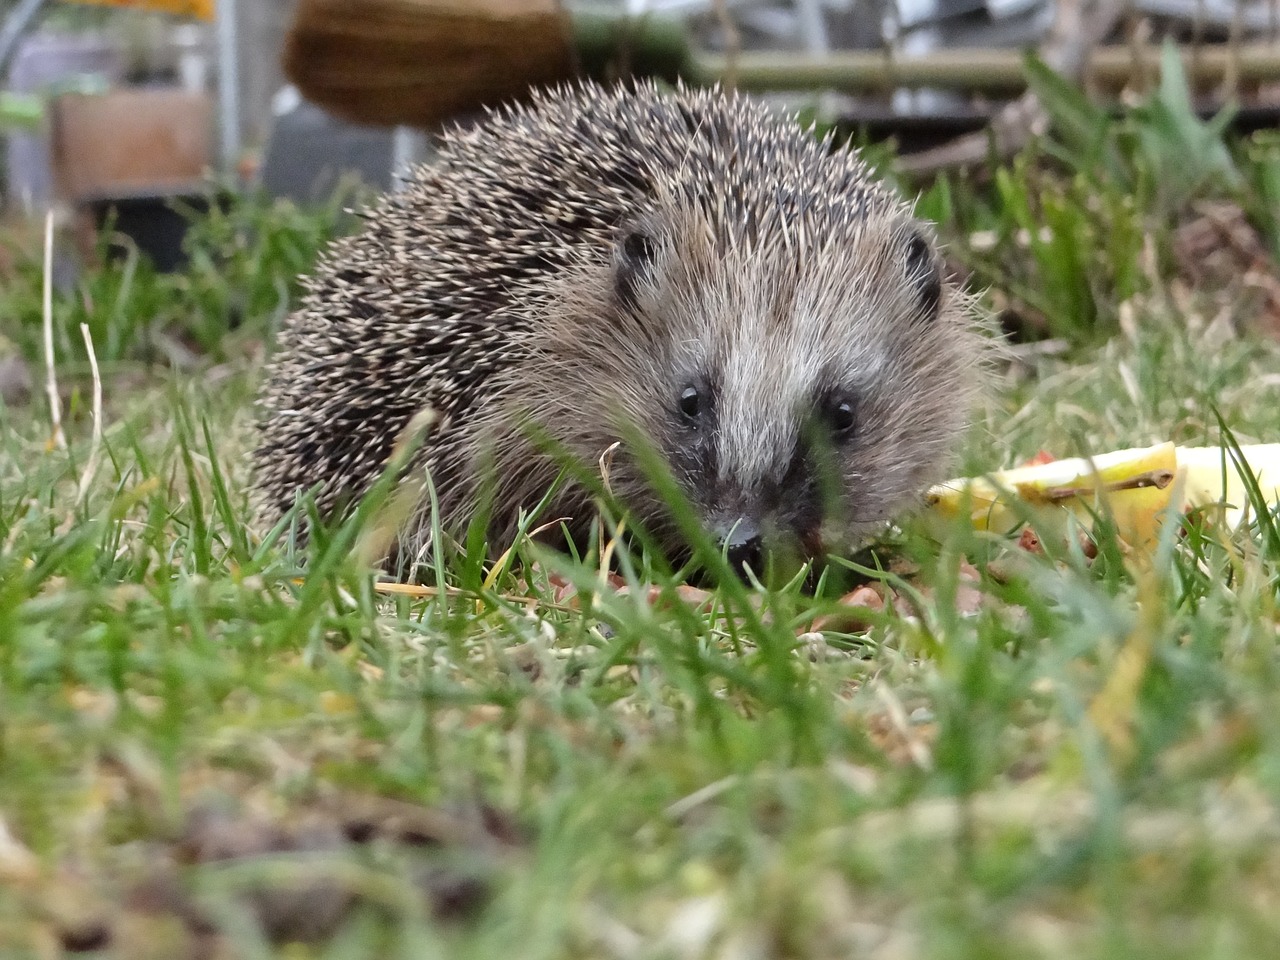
(685, 267)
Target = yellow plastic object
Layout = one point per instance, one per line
(1206, 466)
(1134, 486)
(203, 9)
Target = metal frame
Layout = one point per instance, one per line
(228, 83)
(15, 25)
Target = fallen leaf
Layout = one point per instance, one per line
(857, 610)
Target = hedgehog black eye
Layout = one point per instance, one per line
(842, 418)
(690, 402)
(924, 274)
(635, 255)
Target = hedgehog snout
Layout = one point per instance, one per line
(773, 522)
(742, 544)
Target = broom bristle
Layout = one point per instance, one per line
(418, 62)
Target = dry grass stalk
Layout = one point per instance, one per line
(95, 448)
(51, 377)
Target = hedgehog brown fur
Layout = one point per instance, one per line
(683, 267)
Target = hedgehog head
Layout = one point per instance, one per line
(800, 367)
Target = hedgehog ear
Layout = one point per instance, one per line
(633, 259)
(924, 272)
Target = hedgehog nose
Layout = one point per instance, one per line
(743, 547)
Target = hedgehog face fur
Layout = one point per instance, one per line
(685, 272)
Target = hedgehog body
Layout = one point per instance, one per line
(683, 272)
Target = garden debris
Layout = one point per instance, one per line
(364, 819)
(856, 610)
(905, 738)
(298, 876)
(653, 594)
(1217, 250)
(287, 910)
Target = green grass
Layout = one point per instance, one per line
(1085, 764)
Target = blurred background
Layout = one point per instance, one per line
(132, 122)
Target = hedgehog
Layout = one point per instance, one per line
(680, 276)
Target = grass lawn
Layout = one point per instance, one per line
(208, 751)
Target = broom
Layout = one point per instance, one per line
(418, 62)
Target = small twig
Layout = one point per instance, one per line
(51, 377)
(685, 805)
(422, 591)
(95, 448)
